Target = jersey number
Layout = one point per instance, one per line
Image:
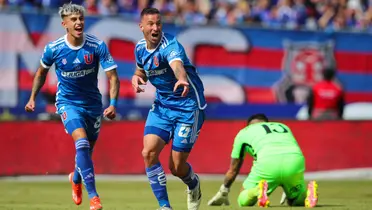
(276, 128)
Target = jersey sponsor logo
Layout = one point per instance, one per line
(76, 74)
(156, 61)
(57, 47)
(92, 45)
(151, 73)
(88, 58)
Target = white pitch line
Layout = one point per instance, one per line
(347, 174)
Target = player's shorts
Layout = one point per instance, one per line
(181, 126)
(74, 117)
(286, 171)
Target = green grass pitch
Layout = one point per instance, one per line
(137, 195)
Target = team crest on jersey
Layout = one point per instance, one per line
(88, 58)
(156, 61)
(64, 61)
(64, 116)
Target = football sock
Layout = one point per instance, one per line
(158, 182)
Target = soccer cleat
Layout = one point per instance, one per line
(95, 203)
(77, 193)
(262, 198)
(164, 208)
(311, 195)
(194, 197)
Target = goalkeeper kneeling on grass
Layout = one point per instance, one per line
(278, 161)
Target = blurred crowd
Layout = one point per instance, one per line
(328, 15)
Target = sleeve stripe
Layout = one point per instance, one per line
(175, 59)
(138, 66)
(44, 65)
(111, 68)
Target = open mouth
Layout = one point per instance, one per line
(79, 29)
(155, 35)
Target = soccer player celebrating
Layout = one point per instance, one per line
(77, 57)
(177, 112)
(278, 161)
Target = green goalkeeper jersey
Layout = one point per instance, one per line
(266, 139)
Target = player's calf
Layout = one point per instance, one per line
(158, 182)
(85, 166)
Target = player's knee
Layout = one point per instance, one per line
(245, 200)
(149, 156)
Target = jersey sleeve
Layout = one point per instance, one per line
(241, 146)
(105, 58)
(138, 61)
(174, 52)
(47, 58)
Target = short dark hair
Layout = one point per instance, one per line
(329, 74)
(258, 116)
(149, 11)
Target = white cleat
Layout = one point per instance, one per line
(164, 208)
(194, 197)
(283, 199)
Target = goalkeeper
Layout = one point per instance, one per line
(278, 161)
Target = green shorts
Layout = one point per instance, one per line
(286, 171)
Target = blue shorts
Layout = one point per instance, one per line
(74, 117)
(181, 126)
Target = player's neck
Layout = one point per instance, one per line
(75, 41)
(151, 46)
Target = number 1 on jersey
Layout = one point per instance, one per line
(271, 128)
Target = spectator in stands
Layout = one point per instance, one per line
(326, 99)
(328, 15)
(107, 8)
(91, 7)
(3, 5)
(191, 15)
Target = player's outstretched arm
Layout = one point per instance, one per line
(112, 75)
(139, 78)
(233, 171)
(221, 197)
(39, 81)
(181, 75)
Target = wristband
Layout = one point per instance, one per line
(113, 102)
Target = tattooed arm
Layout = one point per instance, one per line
(221, 197)
(233, 172)
(110, 112)
(37, 84)
(181, 75)
(114, 83)
(39, 80)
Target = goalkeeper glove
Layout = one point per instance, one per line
(221, 197)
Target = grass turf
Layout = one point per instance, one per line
(138, 195)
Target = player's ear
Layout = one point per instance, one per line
(63, 24)
(140, 26)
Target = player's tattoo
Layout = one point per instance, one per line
(114, 84)
(39, 81)
(233, 172)
(179, 70)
